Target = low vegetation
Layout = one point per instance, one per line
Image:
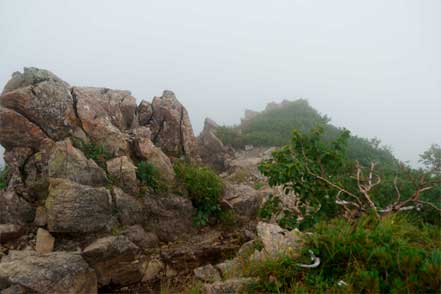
(149, 177)
(368, 255)
(95, 152)
(204, 188)
(3, 177)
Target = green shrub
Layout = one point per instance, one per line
(3, 177)
(204, 188)
(388, 255)
(95, 152)
(148, 174)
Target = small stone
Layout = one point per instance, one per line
(40, 216)
(153, 270)
(45, 241)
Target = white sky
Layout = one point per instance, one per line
(372, 66)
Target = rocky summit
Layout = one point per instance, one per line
(92, 200)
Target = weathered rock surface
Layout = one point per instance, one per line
(244, 199)
(17, 131)
(10, 232)
(76, 208)
(69, 163)
(45, 242)
(141, 238)
(129, 209)
(14, 209)
(229, 286)
(170, 125)
(104, 114)
(168, 216)
(114, 259)
(153, 270)
(212, 150)
(57, 272)
(146, 150)
(207, 273)
(123, 173)
(276, 240)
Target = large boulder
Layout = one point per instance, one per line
(244, 199)
(104, 115)
(169, 216)
(14, 209)
(57, 272)
(18, 131)
(48, 104)
(69, 163)
(146, 150)
(212, 150)
(277, 240)
(9, 232)
(170, 125)
(76, 208)
(141, 238)
(30, 76)
(114, 259)
(123, 173)
(130, 210)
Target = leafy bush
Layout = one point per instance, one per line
(3, 177)
(391, 255)
(204, 188)
(95, 152)
(149, 175)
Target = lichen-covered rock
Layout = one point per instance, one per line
(76, 208)
(114, 259)
(141, 238)
(244, 199)
(69, 163)
(31, 76)
(146, 150)
(129, 209)
(171, 127)
(207, 273)
(123, 173)
(277, 240)
(168, 216)
(104, 115)
(56, 272)
(14, 209)
(47, 104)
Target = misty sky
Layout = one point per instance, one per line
(372, 66)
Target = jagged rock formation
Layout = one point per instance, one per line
(212, 150)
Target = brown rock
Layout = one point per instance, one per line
(14, 209)
(114, 259)
(56, 272)
(244, 199)
(40, 219)
(130, 210)
(75, 208)
(137, 235)
(229, 286)
(123, 173)
(207, 273)
(277, 240)
(153, 270)
(45, 242)
(17, 131)
(9, 232)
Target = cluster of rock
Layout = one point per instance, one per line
(71, 222)
(228, 276)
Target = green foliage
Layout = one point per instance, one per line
(95, 152)
(149, 175)
(3, 177)
(271, 206)
(293, 165)
(273, 128)
(204, 188)
(391, 255)
(432, 158)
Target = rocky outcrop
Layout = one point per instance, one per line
(141, 238)
(243, 199)
(229, 286)
(44, 242)
(76, 208)
(276, 240)
(170, 126)
(14, 209)
(123, 173)
(212, 150)
(129, 210)
(114, 259)
(57, 272)
(10, 232)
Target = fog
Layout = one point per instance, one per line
(372, 66)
